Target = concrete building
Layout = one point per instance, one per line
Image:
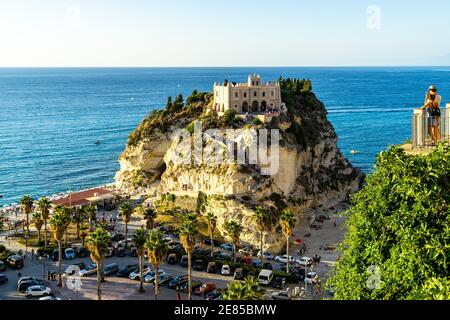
(253, 96)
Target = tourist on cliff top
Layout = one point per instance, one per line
(433, 107)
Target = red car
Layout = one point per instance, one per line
(205, 289)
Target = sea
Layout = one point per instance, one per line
(51, 118)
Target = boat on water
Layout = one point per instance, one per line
(1, 196)
(354, 152)
(98, 142)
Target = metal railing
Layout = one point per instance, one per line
(428, 130)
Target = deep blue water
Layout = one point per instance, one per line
(51, 118)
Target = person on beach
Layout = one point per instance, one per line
(433, 107)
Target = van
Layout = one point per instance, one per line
(265, 277)
(15, 262)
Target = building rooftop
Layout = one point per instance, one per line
(83, 198)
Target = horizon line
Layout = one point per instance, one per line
(224, 67)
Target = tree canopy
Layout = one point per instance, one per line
(398, 240)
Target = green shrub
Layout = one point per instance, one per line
(229, 116)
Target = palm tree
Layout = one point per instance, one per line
(212, 223)
(157, 251)
(150, 216)
(90, 212)
(84, 232)
(26, 204)
(127, 210)
(287, 223)
(260, 216)
(247, 290)
(139, 240)
(234, 230)
(58, 225)
(44, 206)
(78, 219)
(188, 231)
(66, 212)
(38, 223)
(97, 243)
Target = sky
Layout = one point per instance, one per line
(150, 33)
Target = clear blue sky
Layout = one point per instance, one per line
(222, 33)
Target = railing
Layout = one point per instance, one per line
(428, 130)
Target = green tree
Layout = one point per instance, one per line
(169, 104)
(58, 226)
(157, 251)
(139, 239)
(287, 223)
(188, 231)
(38, 223)
(247, 290)
(150, 215)
(44, 206)
(26, 204)
(90, 212)
(234, 230)
(78, 219)
(398, 240)
(212, 224)
(84, 232)
(127, 210)
(261, 217)
(97, 244)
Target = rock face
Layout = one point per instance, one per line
(312, 170)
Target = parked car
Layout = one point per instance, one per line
(265, 277)
(239, 274)
(265, 255)
(110, 252)
(208, 242)
(281, 295)
(125, 271)
(198, 265)
(122, 242)
(151, 276)
(227, 246)
(81, 252)
(172, 258)
(310, 277)
(256, 263)
(55, 255)
(279, 283)
(205, 288)
(246, 251)
(267, 265)
(89, 270)
(117, 237)
(37, 291)
(213, 295)
(22, 279)
(121, 252)
(184, 261)
(304, 261)
(133, 252)
(284, 259)
(195, 285)
(226, 270)
(224, 256)
(3, 279)
(24, 285)
(2, 266)
(72, 268)
(212, 267)
(50, 298)
(165, 279)
(136, 275)
(174, 244)
(177, 281)
(110, 269)
(15, 262)
(69, 254)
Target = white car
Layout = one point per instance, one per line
(38, 291)
(304, 261)
(150, 277)
(69, 253)
(245, 252)
(266, 255)
(226, 270)
(284, 259)
(121, 243)
(89, 270)
(136, 275)
(50, 298)
(310, 277)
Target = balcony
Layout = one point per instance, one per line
(425, 127)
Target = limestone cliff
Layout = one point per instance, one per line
(312, 170)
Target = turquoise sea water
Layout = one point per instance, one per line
(50, 119)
